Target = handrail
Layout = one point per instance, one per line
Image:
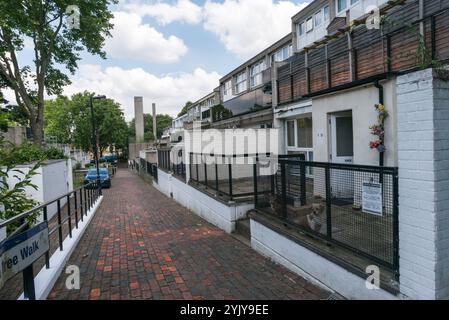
(41, 206)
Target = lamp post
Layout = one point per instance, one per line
(94, 135)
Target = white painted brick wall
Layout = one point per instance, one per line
(423, 153)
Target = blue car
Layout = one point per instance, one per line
(105, 179)
(111, 159)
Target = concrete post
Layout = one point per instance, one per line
(138, 115)
(154, 122)
(423, 152)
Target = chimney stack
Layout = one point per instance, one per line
(138, 118)
(154, 122)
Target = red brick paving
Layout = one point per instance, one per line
(143, 245)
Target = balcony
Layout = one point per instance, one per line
(251, 101)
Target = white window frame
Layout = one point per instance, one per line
(324, 14)
(240, 82)
(256, 73)
(279, 54)
(348, 6)
(227, 88)
(301, 26)
(321, 14)
(309, 26)
(307, 151)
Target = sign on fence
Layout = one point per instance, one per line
(20, 251)
(372, 198)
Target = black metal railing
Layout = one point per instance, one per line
(149, 168)
(66, 213)
(228, 176)
(172, 160)
(351, 206)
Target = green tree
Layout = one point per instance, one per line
(163, 121)
(185, 108)
(69, 119)
(59, 119)
(56, 43)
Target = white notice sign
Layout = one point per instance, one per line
(19, 251)
(372, 198)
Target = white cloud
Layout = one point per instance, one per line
(247, 27)
(131, 39)
(169, 92)
(165, 13)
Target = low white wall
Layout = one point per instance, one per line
(310, 265)
(216, 212)
(53, 179)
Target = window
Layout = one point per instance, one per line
(256, 73)
(309, 24)
(206, 114)
(227, 88)
(290, 133)
(318, 18)
(327, 14)
(345, 4)
(283, 53)
(341, 5)
(240, 82)
(301, 29)
(304, 133)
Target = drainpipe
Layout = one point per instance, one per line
(381, 101)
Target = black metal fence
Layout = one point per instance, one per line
(172, 160)
(229, 176)
(71, 208)
(149, 168)
(352, 206)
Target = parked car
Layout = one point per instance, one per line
(105, 179)
(110, 158)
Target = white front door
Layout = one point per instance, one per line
(342, 139)
(342, 151)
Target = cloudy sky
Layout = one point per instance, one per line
(173, 51)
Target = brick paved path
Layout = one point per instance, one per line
(143, 245)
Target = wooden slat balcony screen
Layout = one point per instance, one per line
(364, 54)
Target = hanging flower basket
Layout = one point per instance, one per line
(378, 129)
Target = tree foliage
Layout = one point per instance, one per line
(163, 121)
(69, 120)
(56, 45)
(184, 109)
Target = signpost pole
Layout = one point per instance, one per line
(29, 291)
(28, 283)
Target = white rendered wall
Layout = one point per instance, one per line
(310, 265)
(216, 212)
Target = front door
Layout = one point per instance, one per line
(342, 151)
(342, 139)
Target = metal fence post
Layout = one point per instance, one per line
(284, 190)
(396, 223)
(69, 216)
(230, 180)
(205, 173)
(76, 210)
(59, 225)
(302, 173)
(328, 203)
(255, 181)
(47, 254)
(216, 175)
(29, 291)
